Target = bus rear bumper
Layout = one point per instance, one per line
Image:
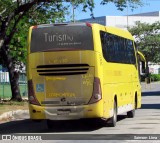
(66, 112)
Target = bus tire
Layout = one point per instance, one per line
(131, 114)
(113, 120)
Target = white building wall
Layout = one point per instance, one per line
(125, 21)
(154, 69)
(4, 77)
(99, 20)
(129, 21)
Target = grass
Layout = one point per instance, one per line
(5, 90)
(6, 106)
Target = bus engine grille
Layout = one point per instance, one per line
(62, 69)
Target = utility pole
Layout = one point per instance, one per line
(73, 12)
(72, 2)
(127, 14)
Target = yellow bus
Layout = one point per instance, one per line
(82, 70)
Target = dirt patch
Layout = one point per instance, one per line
(6, 106)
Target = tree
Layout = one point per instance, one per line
(13, 35)
(121, 4)
(15, 14)
(147, 38)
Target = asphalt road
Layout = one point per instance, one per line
(146, 121)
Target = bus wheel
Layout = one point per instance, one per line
(113, 120)
(131, 114)
(50, 124)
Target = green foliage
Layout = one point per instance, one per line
(121, 4)
(17, 46)
(148, 40)
(155, 77)
(38, 14)
(152, 77)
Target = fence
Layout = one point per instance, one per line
(5, 87)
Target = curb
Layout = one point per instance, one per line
(14, 115)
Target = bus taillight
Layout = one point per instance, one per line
(88, 24)
(34, 27)
(97, 93)
(31, 94)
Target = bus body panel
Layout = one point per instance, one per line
(119, 83)
(120, 80)
(75, 112)
(117, 80)
(76, 89)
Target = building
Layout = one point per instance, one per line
(154, 68)
(125, 21)
(4, 74)
(129, 21)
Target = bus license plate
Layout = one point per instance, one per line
(63, 111)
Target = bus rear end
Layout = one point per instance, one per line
(62, 73)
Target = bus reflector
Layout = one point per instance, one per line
(31, 94)
(97, 93)
(88, 24)
(34, 27)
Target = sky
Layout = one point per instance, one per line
(111, 10)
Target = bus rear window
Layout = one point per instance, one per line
(61, 38)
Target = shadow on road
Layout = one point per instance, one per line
(150, 106)
(28, 126)
(151, 93)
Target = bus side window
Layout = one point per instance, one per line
(104, 43)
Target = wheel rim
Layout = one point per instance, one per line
(114, 118)
(115, 113)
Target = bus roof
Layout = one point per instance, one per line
(114, 30)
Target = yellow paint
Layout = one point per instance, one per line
(59, 60)
(87, 76)
(55, 78)
(65, 94)
(87, 82)
(117, 80)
